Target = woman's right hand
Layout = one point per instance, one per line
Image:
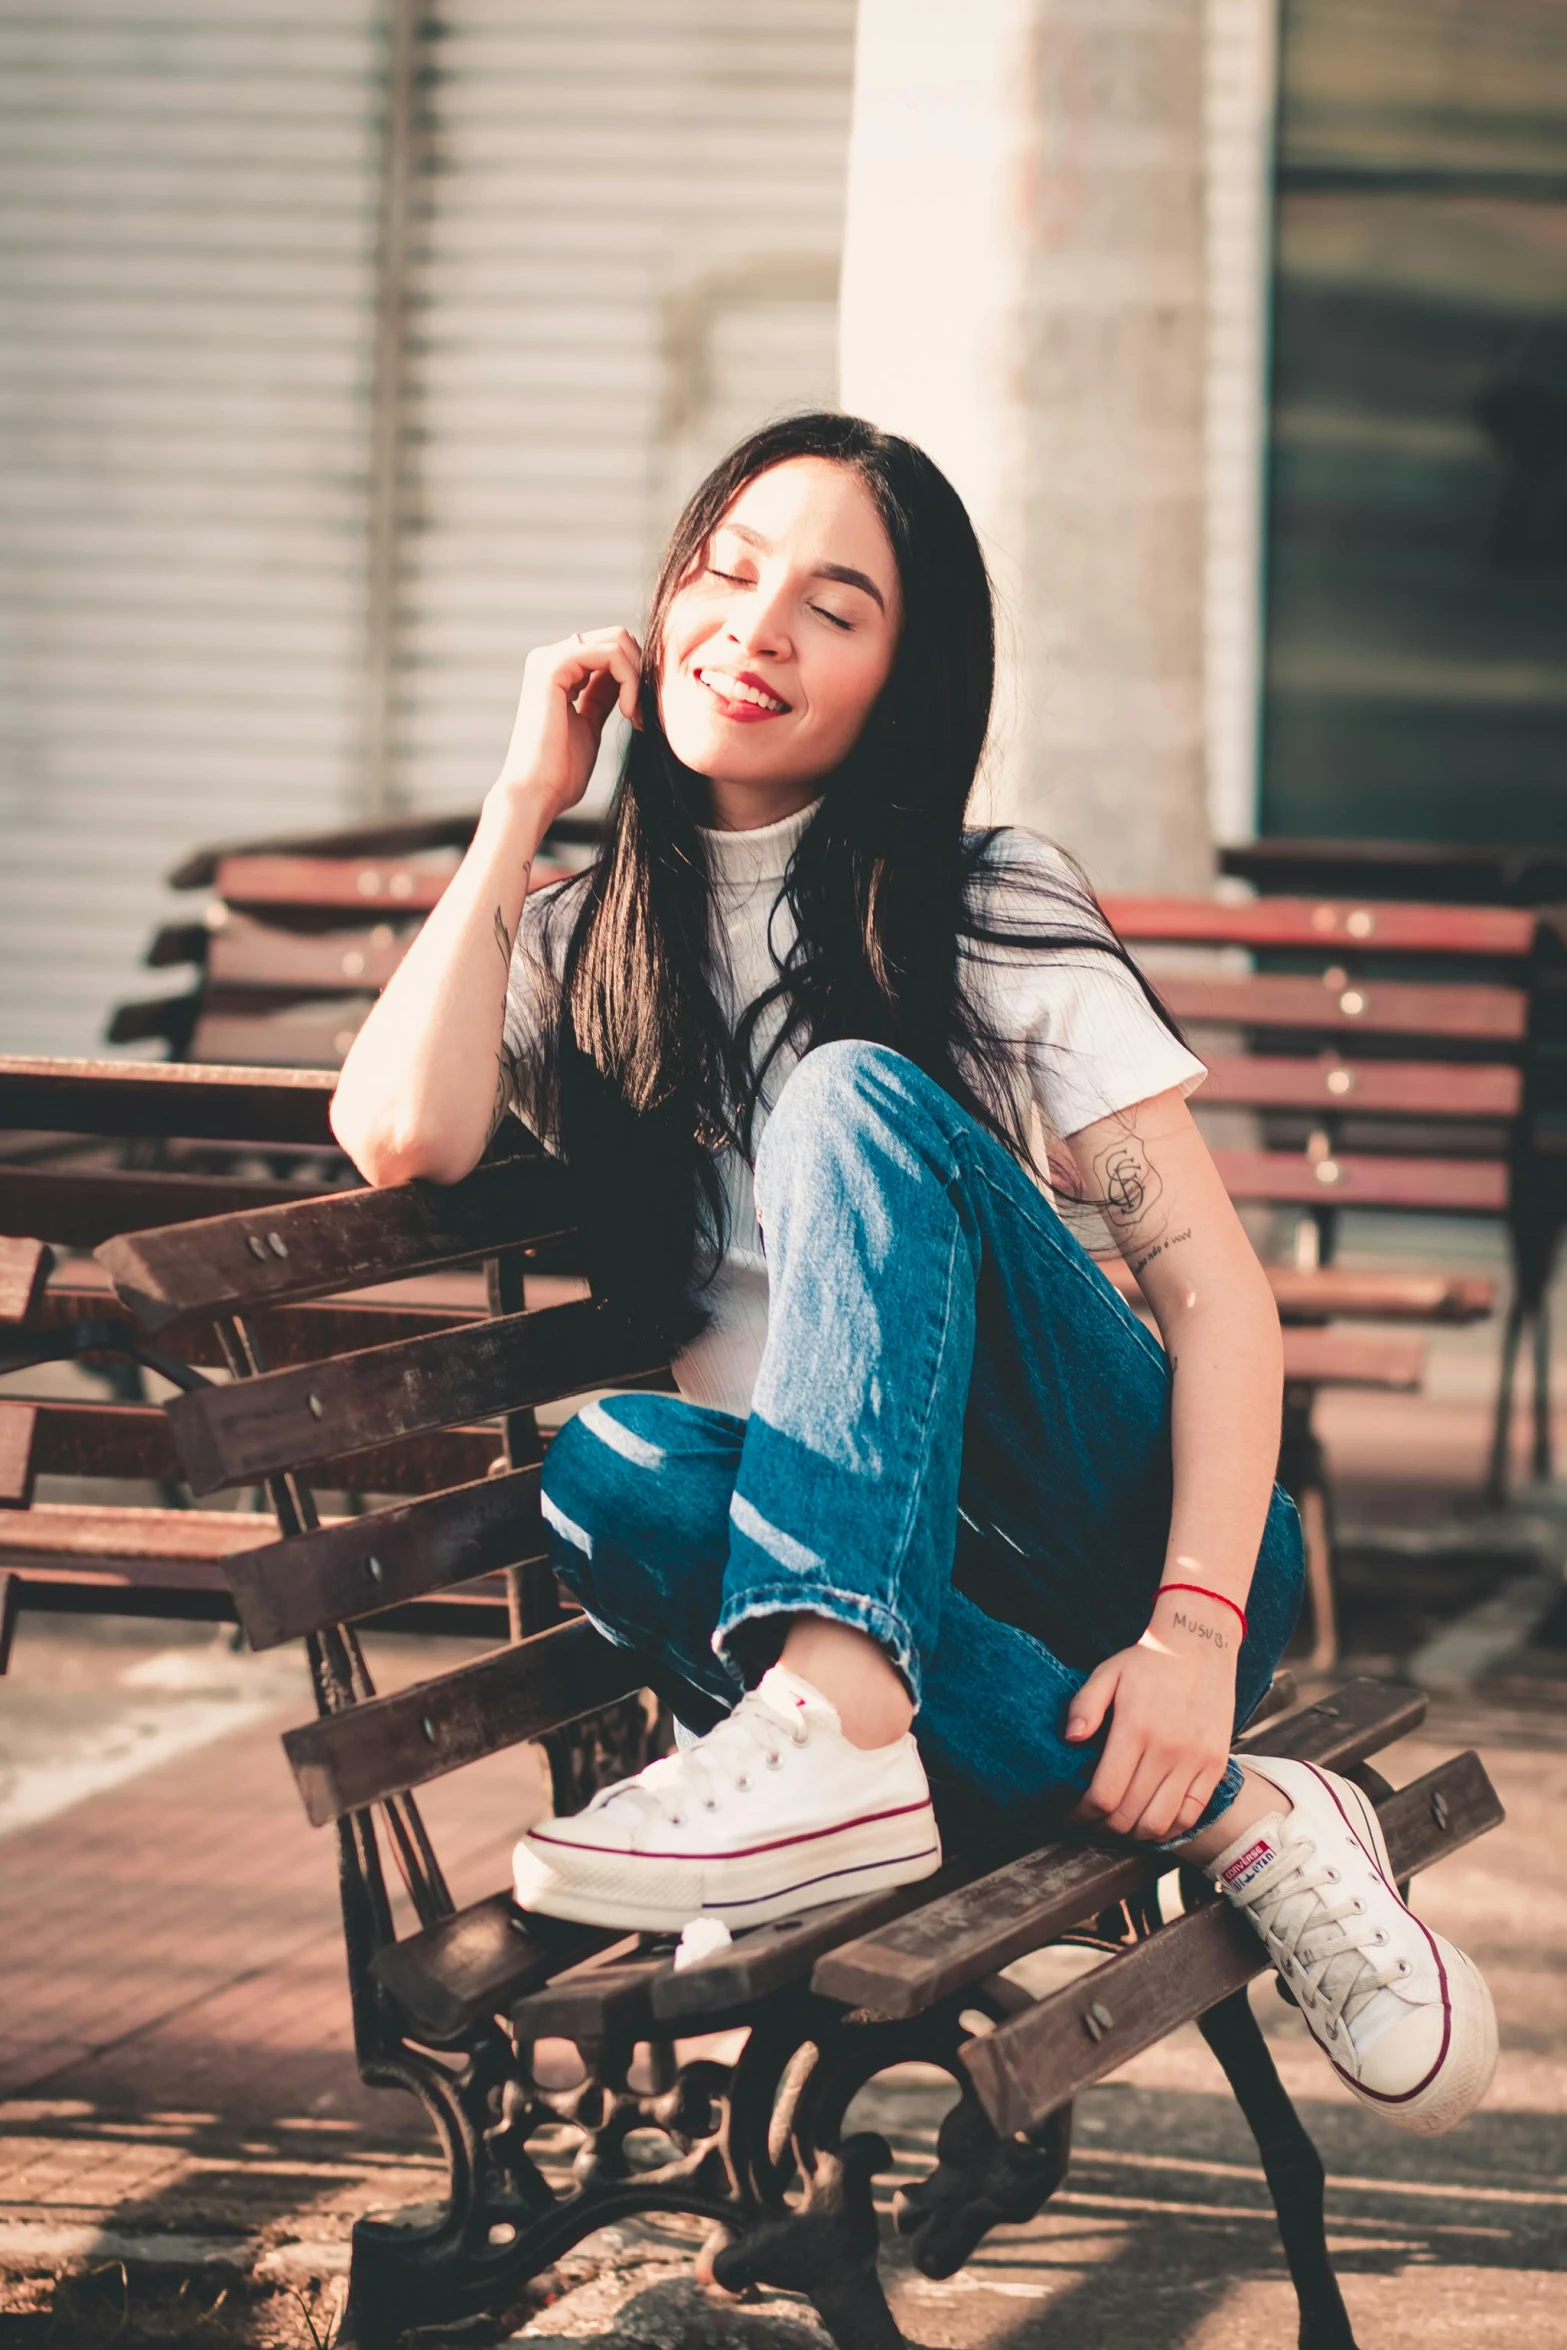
(568, 692)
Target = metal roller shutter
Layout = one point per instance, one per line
(188, 216)
(627, 252)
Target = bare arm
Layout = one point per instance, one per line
(1160, 1194)
(427, 1082)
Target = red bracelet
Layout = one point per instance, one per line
(1204, 1593)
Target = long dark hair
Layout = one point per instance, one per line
(641, 1079)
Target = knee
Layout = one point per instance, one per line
(842, 1094)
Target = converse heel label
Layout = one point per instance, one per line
(1243, 1873)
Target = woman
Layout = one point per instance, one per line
(925, 1464)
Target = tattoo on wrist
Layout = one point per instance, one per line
(1209, 1632)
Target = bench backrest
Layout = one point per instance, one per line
(1388, 1075)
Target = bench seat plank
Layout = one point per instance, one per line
(1039, 2060)
(986, 1924)
(320, 1411)
(164, 1098)
(1440, 1186)
(1387, 927)
(386, 1745)
(1353, 1358)
(1442, 1089)
(285, 1334)
(361, 885)
(357, 1566)
(237, 1263)
(1395, 1007)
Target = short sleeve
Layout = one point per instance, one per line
(1090, 1041)
(538, 959)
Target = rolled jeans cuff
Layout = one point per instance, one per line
(1218, 1803)
(798, 1597)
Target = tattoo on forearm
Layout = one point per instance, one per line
(508, 1072)
(1210, 1632)
(1174, 1241)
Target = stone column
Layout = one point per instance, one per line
(1023, 294)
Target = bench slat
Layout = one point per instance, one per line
(321, 1411)
(358, 1566)
(1395, 1007)
(83, 1210)
(1354, 923)
(474, 1964)
(1329, 1291)
(286, 1334)
(233, 1263)
(1353, 1358)
(24, 1268)
(164, 1097)
(389, 1744)
(118, 1540)
(363, 885)
(135, 1440)
(1050, 2053)
(246, 953)
(1353, 1179)
(18, 1460)
(284, 1039)
(987, 1923)
(1438, 1089)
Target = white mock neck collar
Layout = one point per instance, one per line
(745, 859)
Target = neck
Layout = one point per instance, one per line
(746, 807)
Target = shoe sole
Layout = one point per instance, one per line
(1462, 2072)
(840, 1867)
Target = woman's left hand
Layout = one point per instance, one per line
(1171, 1702)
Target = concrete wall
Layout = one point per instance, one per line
(1023, 293)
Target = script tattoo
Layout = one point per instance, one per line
(1186, 1623)
(1174, 1241)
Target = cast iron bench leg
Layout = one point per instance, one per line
(1292, 2165)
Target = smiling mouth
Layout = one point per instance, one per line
(727, 687)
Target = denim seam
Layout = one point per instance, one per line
(1050, 1229)
(913, 1668)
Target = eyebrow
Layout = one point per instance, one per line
(843, 572)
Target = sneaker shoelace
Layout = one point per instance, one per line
(703, 1776)
(1322, 1945)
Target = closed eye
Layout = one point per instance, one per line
(836, 618)
(732, 578)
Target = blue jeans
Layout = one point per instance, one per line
(959, 1443)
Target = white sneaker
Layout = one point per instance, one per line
(1403, 2016)
(771, 1813)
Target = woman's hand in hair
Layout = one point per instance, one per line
(1171, 1704)
(568, 692)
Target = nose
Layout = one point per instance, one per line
(758, 623)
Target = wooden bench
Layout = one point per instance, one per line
(64, 1187)
(453, 2005)
(1384, 1069)
(1526, 877)
(299, 936)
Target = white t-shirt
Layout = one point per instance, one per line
(1083, 1031)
